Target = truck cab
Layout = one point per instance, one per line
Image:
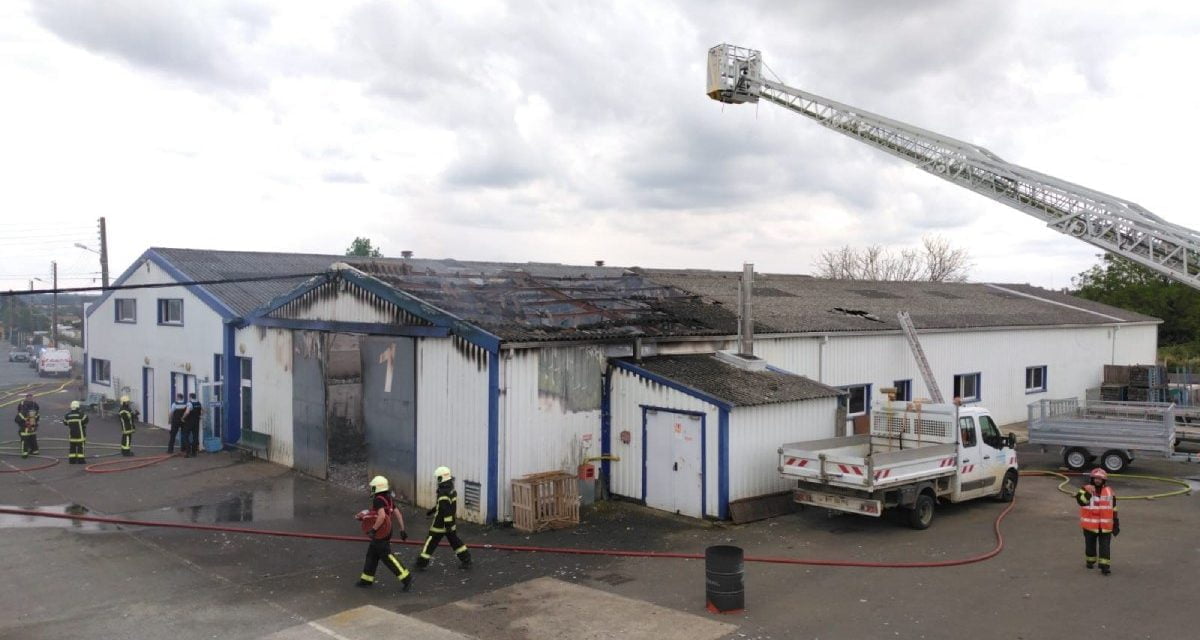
(985, 456)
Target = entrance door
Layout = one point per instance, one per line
(309, 437)
(148, 395)
(673, 461)
(389, 389)
(973, 475)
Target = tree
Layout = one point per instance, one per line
(362, 247)
(935, 261)
(1127, 285)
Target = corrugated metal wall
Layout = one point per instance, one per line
(756, 433)
(452, 418)
(549, 413)
(629, 393)
(1074, 358)
(271, 353)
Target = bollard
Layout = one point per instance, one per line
(723, 588)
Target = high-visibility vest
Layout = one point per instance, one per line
(1097, 514)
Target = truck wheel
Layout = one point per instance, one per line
(1008, 487)
(920, 516)
(1113, 461)
(1076, 458)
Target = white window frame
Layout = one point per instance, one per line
(164, 308)
(866, 387)
(119, 303)
(96, 379)
(958, 386)
(1030, 374)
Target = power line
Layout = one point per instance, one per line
(161, 285)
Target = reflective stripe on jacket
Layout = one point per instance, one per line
(1097, 509)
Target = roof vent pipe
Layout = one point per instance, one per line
(745, 311)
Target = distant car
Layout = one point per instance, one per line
(18, 356)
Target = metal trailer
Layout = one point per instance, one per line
(915, 454)
(1111, 431)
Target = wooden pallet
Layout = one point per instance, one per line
(544, 501)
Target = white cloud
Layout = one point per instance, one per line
(486, 130)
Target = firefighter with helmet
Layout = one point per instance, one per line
(76, 421)
(27, 424)
(127, 415)
(1098, 517)
(444, 523)
(377, 524)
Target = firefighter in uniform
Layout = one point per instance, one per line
(27, 424)
(76, 422)
(127, 415)
(1098, 517)
(443, 522)
(377, 524)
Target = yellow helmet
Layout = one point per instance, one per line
(378, 484)
(124, 399)
(442, 474)
(74, 404)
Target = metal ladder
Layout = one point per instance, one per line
(910, 332)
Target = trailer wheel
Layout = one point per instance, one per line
(1076, 458)
(1113, 461)
(920, 516)
(1008, 487)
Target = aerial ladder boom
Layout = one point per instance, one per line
(1117, 226)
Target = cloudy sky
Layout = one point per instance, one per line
(570, 132)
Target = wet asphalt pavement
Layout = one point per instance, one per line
(82, 580)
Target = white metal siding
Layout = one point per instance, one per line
(452, 419)
(270, 351)
(343, 308)
(1074, 357)
(756, 433)
(128, 347)
(629, 393)
(537, 432)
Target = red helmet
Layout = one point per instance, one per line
(1100, 473)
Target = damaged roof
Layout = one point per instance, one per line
(735, 385)
(534, 302)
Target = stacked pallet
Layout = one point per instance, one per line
(545, 501)
(1147, 383)
(1116, 383)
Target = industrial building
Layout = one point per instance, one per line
(501, 370)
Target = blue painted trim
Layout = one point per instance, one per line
(373, 328)
(723, 464)
(646, 408)
(606, 423)
(199, 291)
(232, 379)
(776, 369)
(145, 393)
(493, 434)
(666, 382)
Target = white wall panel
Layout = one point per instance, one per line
(452, 418)
(756, 433)
(270, 351)
(629, 393)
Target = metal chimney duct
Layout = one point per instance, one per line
(745, 311)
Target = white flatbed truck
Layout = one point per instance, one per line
(914, 455)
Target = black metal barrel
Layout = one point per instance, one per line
(723, 588)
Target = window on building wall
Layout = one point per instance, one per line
(966, 387)
(170, 311)
(903, 389)
(126, 309)
(1035, 379)
(247, 394)
(101, 371)
(856, 399)
(218, 415)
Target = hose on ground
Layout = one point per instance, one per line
(1065, 475)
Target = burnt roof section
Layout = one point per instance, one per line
(805, 304)
(533, 302)
(737, 386)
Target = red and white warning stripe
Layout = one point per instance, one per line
(849, 468)
(795, 462)
(883, 473)
(968, 468)
(947, 462)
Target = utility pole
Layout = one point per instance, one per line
(54, 322)
(103, 254)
